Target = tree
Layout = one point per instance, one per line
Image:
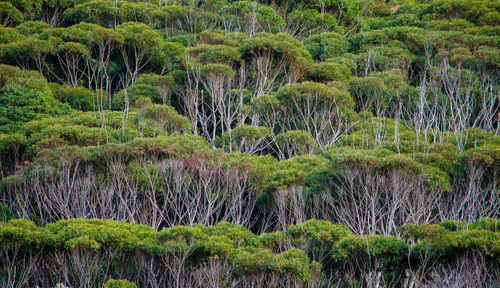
(216, 79)
(477, 192)
(53, 10)
(292, 143)
(27, 51)
(377, 91)
(9, 15)
(30, 9)
(250, 18)
(164, 84)
(139, 47)
(72, 57)
(164, 117)
(105, 13)
(246, 139)
(376, 191)
(393, 55)
(324, 112)
(192, 20)
(303, 23)
(212, 66)
(373, 259)
(276, 59)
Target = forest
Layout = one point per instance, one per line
(237, 143)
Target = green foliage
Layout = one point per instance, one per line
(111, 283)
(26, 51)
(386, 249)
(102, 12)
(326, 95)
(78, 128)
(318, 231)
(19, 107)
(8, 35)
(244, 12)
(244, 138)
(161, 147)
(294, 171)
(294, 142)
(79, 98)
(95, 233)
(413, 37)
(393, 55)
(477, 12)
(326, 45)
(22, 234)
(228, 241)
(206, 53)
(487, 155)
(217, 38)
(141, 43)
(247, 252)
(291, 108)
(13, 78)
(135, 92)
(216, 70)
(9, 15)
(257, 166)
(377, 90)
(328, 71)
(310, 20)
(29, 8)
(282, 48)
(32, 27)
(373, 159)
(281, 44)
(437, 242)
(163, 118)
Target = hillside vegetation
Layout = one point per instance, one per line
(315, 143)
